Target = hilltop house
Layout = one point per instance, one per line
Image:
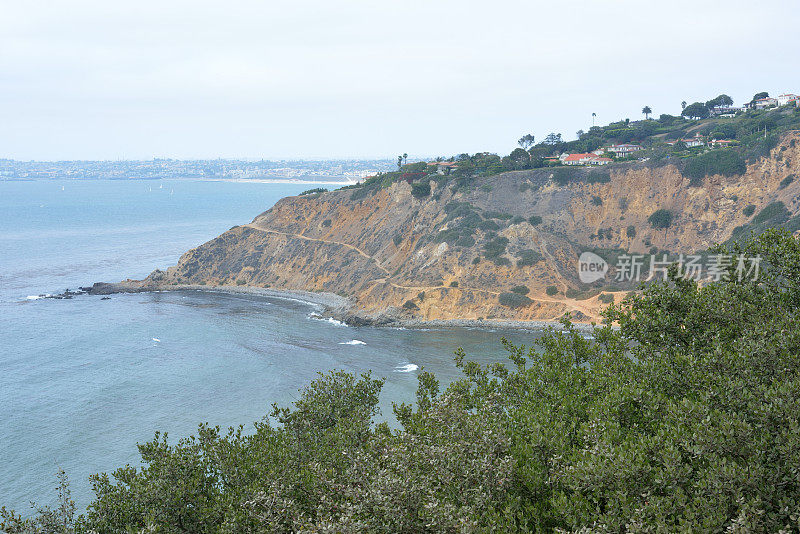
(722, 142)
(623, 150)
(697, 140)
(763, 103)
(787, 98)
(725, 111)
(443, 167)
(583, 159)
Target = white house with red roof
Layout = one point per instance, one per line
(697, 140)
(763, 103)
(786, 99)
(583, 159)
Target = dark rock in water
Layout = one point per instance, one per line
(106, 298)
(103, 288)
(353, 318)
(127, 286)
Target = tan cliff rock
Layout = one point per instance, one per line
(382, 252)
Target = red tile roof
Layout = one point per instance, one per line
(578, 157)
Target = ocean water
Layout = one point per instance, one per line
(83, 380)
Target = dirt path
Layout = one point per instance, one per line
(327, 241)
(572, 304)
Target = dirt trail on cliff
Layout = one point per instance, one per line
(573, 305)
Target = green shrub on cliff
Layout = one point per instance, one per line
(528, 257)
(682, 419)
(724, 162)
(514, 300)
(421, 189)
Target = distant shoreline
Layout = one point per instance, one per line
(297, 181)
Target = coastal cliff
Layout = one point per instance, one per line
(502, 247)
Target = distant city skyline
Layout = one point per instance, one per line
(352, 80)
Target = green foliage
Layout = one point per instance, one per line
(514, 300)
(314, 191)
(528, 257)
(454, 283)
(563, 176)
(698, 110)
(606, 298)
(463, 219)
(465, 241)
(725, 162)
(488, 225)
(326, 223)
(749, 210)
(421, 189)
(495, 248)
(410, 305)
(520, 290)
(630, 231)
(535, 220)
(661, 219)
(787, 181)
(775, 212)
(551, 291)
(721, 101)
(241, 282)
(577, 294)
(597, 201)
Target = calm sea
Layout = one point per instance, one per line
(83, 380)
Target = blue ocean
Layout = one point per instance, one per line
(82, 380)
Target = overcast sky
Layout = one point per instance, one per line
(291, 79)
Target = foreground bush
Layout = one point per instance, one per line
(685, 419)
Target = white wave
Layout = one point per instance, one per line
(406, 368)
(156, 340)
(37, 297)
(330, 320)
(353, 342)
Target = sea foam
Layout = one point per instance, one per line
(353, 342)
(330, 320)
(406, 368)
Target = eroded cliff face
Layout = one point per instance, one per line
(385, 253)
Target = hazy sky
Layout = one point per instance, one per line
(108, 80)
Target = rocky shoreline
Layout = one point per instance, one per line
(327, 305)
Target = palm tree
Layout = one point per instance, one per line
(593, 116)
(405, 158)
(647, 111)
